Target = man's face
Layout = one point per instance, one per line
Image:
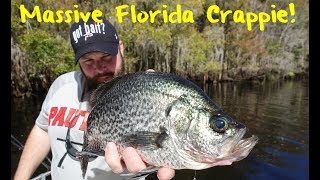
(99, 67)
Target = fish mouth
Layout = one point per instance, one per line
(234, 149)
(246, 143)
(225, 152)
(243, 147)
(237, 140)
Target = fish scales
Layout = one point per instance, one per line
(147, 88)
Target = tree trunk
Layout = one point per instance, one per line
(20, 85)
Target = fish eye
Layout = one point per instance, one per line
(218, 124)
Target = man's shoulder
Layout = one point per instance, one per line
(67, 85)
(67, 78)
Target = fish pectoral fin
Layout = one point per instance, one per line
(141, 174)
(150, 140)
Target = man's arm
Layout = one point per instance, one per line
(35, 150)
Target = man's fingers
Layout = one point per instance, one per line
(150, 70)
(132, 160)
(165, 173)
(113, 158)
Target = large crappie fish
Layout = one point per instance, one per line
(169, 120)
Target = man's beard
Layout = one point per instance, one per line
(93, 82)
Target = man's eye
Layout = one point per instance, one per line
(89, 62)
(107, 58)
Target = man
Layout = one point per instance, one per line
(65, 110)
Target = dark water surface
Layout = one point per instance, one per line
(277, 112)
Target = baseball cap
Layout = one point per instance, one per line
(93, 36)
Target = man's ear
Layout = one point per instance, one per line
(121, 48)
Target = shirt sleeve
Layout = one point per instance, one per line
(42, 119)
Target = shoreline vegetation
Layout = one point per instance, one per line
(201, 51)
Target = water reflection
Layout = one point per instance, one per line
(23, 115)
(278, 113)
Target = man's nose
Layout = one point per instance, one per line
(101, 66)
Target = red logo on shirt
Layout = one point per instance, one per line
(68, 117)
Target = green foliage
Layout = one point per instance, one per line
(16, 25)
(291, 74)
(198, 47)
(48, 55)
(211, 66)
(273, 47)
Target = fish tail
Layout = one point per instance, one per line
(84, 159)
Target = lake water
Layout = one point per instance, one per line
(277, 112)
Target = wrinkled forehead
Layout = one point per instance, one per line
(94, 54)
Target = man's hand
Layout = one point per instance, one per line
(132, 161)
